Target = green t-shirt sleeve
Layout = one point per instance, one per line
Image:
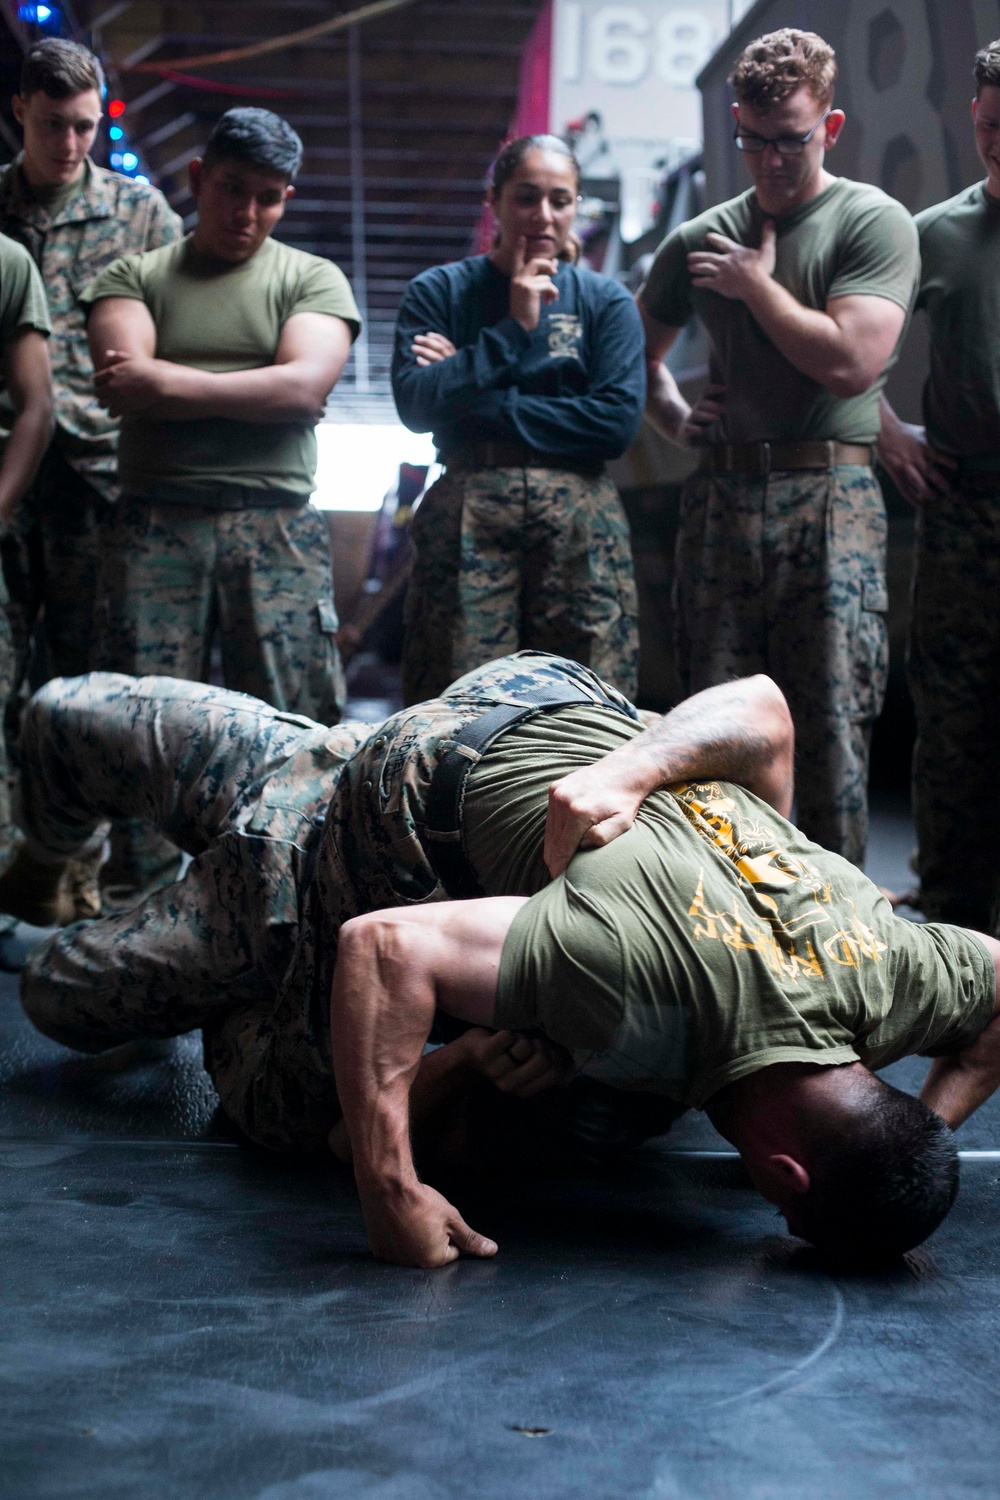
(562, 969)
(123, 278)
(324, 288)
(22, 296)
(880, 256)
(666, 295)
(943, 998)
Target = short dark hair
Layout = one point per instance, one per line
(259, 138)
(60, 69)
(987, 68)
(774, 66)
(881, 1185)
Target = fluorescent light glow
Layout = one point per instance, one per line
(115, 158)
(141, 177)
(130, 160)
(42, 12)
(116, 132)
(358, 464)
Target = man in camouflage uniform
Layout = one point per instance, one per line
(293, 829)
(950, 470)
(74, 218)
(804, 284)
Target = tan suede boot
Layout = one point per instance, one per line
(79, 885)
(31, 892)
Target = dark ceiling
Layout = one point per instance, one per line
(430, 92)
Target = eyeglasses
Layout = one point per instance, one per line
(785, 145)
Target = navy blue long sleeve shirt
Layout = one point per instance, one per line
(574, 387)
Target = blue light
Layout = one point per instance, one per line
(116, 132)
(42, 12)
(116, 158)
(141, 177)
(39, 15)
(130, 161)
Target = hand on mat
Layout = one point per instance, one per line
(587, 809)
(518, 1065)
(732, 269)
(432, 348)
(127, 383)
(416, 1226)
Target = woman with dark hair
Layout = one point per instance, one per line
(529, 371)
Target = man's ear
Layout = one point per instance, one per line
(790, 1173)
(975, 108)
(736, 112)
(289, 192)
(834, 125)
(195, 176)
(17, 105)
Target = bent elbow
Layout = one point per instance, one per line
(851, 381)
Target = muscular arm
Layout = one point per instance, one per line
(29, 385)
(844, 348)
(956, 1086)
(311, 354)
(738, 731)
(393, 969)
(666, 409)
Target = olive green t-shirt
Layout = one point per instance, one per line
(22, 305)
(850, 240)
(222, 318)
(960, 290)
(711, 940)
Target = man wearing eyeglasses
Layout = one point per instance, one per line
(804, 284)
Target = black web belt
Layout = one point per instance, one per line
(445, 799)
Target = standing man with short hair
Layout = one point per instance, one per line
(804, 284)
(951, 471)
(74, 218)
(219, 354)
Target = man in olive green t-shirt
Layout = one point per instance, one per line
(804, 284)
(26, 404)
(950, 470)
(219, 354)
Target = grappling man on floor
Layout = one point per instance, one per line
(701, 949)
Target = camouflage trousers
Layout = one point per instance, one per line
(293, 828)
(8, 661)
(786, 575)
(50, 563)
(174, 575)
(954, 674)
(515, 558)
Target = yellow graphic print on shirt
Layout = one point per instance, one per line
(792, 941)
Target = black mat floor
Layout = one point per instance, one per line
(186, 1318)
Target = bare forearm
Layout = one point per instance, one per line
(955, 1092)
(666, 408)
(29, 437)
(377, 1036)
(737, 731)
(275, 393)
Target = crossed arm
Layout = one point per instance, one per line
(844, 347)
(310, 356)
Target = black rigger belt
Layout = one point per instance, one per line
(443, 815)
